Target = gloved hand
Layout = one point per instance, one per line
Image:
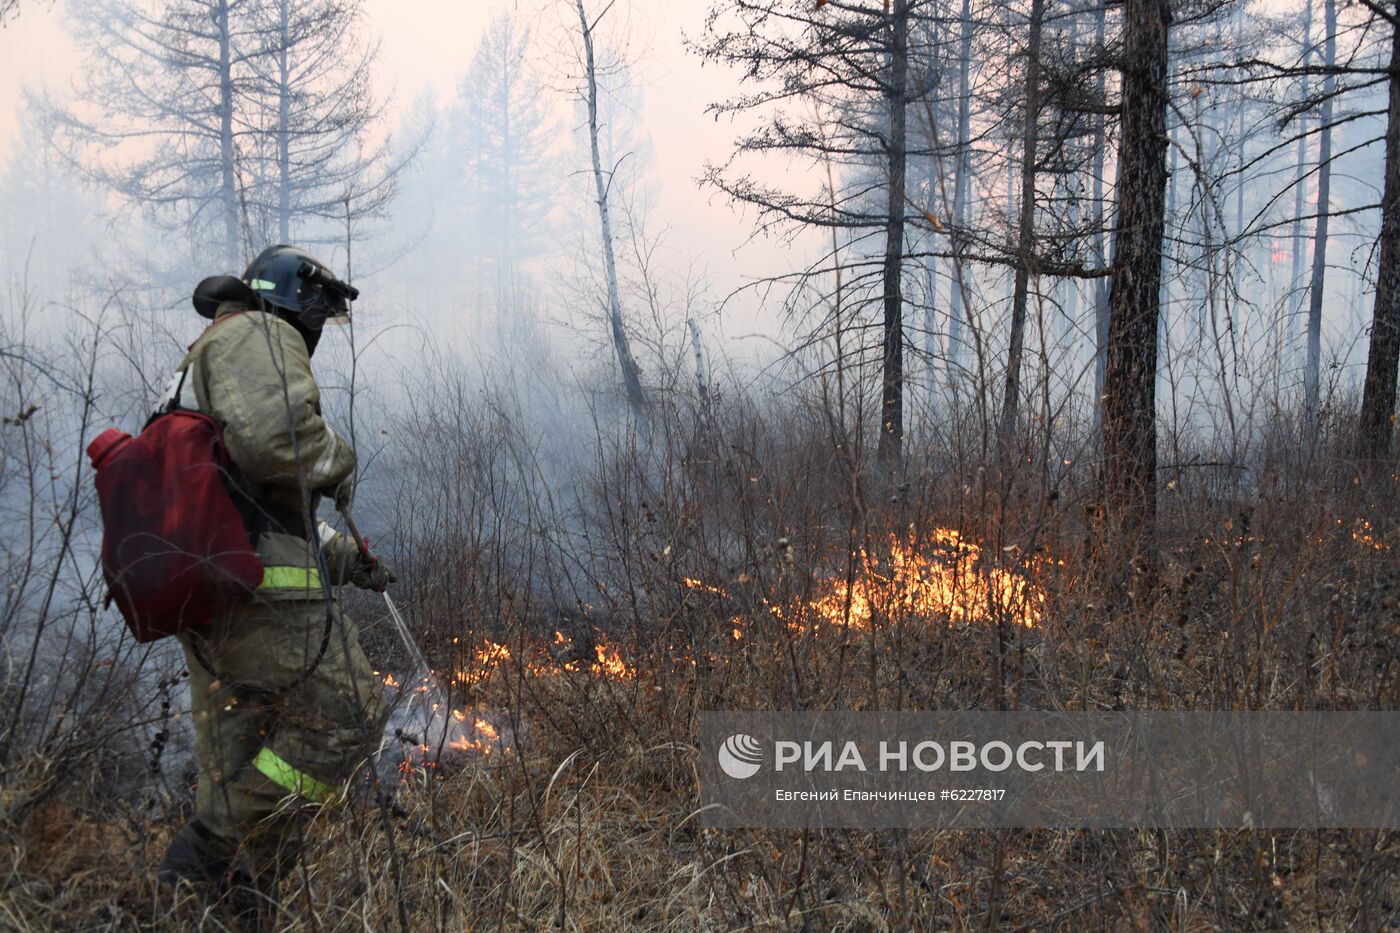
(369, 573)
(344, 493)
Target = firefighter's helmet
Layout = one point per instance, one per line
(300, 285)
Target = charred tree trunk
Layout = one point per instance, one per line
(1134, 303)
(631, 375)
(1312, 377)
(1025, 238)
(1378, 396)
(890, 448)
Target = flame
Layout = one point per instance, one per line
(492, 657)
(942, 577)
(484, 738)
(945, 577)
(948, 579)
(1364, 533)
(703, 587)
(610, 663)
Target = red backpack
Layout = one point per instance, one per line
(175, 551)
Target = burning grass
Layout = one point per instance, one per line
(588, 821)
(939, 578)
(944, 577)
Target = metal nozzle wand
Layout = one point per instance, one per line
(415, 654)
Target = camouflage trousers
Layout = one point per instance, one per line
(275, 743)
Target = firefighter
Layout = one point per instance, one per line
(284, 701)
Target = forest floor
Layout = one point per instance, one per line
(586, 818)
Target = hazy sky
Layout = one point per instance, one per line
(427, 44)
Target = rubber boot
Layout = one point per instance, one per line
(188, 858)
(214, 880)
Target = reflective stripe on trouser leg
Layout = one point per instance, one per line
(276, 769)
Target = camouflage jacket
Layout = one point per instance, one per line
(250, 371)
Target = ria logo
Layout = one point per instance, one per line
(741, 756)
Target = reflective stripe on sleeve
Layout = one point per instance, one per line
(185, 397)
(276, 769)
(326, 461)
(290, 578)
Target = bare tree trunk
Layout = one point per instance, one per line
(961, 189)
(505, 272)
(931, 316)
(1300, 183)
(702, 388)
(1025, 238)
(1378, 395)
(890, 448)
(229, 192)
(1312, 377)
(1101, 247)
(1130, 386)
(931, 263)
(284, 129)
(1164, 314)
(631, 375)
(1237, 267)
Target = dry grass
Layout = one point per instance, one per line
(1278, 591)
(588, 823)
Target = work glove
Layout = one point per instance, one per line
(343, 493)
(369, 573)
